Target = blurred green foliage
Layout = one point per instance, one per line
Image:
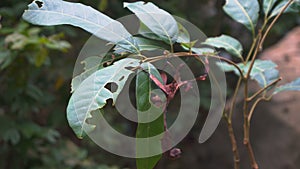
(35, 74)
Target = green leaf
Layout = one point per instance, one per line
(293, 8)
(258, 67)
(292, 86)
(183, 34)
(92, 94)
(268, 5)
(157, 20)
(146, 109)
(266, 77)
(263, 71)
(226, 67)
(230, 44)
(243, 11)
(91, 65)
(149, 44)
(58, 12)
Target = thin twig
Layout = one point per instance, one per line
(263, 89)
(274, 21)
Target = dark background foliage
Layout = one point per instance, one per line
(36, 65)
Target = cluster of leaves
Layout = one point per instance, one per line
(158, 30)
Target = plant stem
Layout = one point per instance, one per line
(247, 127)
(274, 21)
(263, 89)
(236, 156)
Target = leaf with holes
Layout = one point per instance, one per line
(230, 44)
(243, 11)
(157, 20)
(91, 65)
(292, 86)
(92, 94)
(58, 12)
(146, 111)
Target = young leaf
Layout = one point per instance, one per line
(230, 44)
(58, 12)
(293, 8)
(92, 94)
(292, 86)
(150, 129)
(243, 11)
(157, 20)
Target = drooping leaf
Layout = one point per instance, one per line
(293, 8)
(157, 20)
(92, 94)
(243, 11)
(230, 44)
(292, 86)
(58, 12)
(91, 65)
(146, 111)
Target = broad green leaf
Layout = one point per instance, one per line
(258, 67)
(266, 77)
(292, 86)
(149, 44)
(150, 129)
(58, 12)
(92, 94)
(91, 65)
(146, 32)
(230, 44)
(263, 71)
(157, 20)
(293, 8)
(245, 12)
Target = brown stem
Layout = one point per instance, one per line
(254, 164)
(236, 156)
(247, 128)
(263, 89)
(274, 21)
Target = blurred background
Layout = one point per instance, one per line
(36, 68)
